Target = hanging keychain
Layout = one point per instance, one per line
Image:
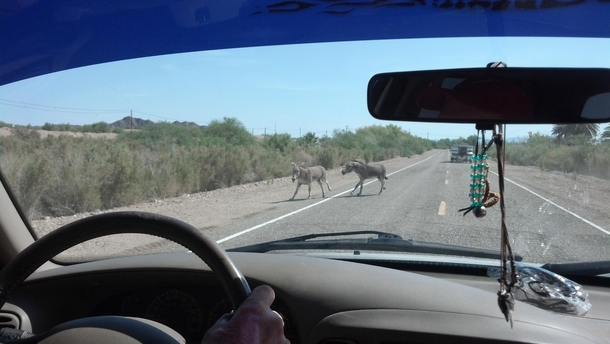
(481, 199)
(508, 278)
(480, 195)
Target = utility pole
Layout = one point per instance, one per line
(131, 120)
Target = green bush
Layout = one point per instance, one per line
(328, 157)
(266, 163)
(163, 135)
(279, 142)
(577, 155)
(231, 130)
(99, 127)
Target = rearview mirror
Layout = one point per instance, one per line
(492, 95)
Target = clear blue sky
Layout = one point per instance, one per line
(260, 86)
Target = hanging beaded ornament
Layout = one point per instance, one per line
(480, 196)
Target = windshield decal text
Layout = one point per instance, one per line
(345, 7)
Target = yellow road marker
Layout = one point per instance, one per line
(442, 209)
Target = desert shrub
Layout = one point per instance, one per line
(60, 127)
(212, 158)
(381, 143)
(158, 172)
(576, 155)
(235, 166)
(163, 135)
(346, 140)
(75, 182)
(30, 180)
(267, 164)
(328, 157)
(99, 127)
(231, 130)
(599, 161)
(280, 142)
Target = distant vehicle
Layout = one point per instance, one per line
(461, 153)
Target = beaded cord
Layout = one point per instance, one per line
(481, 197)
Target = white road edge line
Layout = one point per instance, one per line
(233, 236)
(558, 206)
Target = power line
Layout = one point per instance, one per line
(51, 108)
(55, 108)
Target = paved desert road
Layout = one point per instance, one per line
(421, 202)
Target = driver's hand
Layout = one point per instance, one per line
(254, 322)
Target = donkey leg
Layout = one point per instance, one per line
(361, 185)
(355, 187)
(295, 191)
(382, 181)
(309, 188)
(327, 185)
(321, 187)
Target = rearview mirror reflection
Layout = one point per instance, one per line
(492, 95)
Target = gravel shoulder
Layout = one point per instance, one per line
(586, 196)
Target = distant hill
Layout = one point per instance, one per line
(138, 123)
(131, 123)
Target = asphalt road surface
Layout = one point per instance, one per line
(421, 202)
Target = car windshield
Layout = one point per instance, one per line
(212, 138)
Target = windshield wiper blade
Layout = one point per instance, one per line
(580, 269)
(383, 242)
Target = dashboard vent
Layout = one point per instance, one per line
(9, 320)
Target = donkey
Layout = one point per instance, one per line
(366, 171)
(306, 175)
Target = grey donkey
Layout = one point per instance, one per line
(364, 172)
(306, 175)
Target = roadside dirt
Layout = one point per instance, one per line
(6, 131)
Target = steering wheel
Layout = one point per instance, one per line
(97, 226)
